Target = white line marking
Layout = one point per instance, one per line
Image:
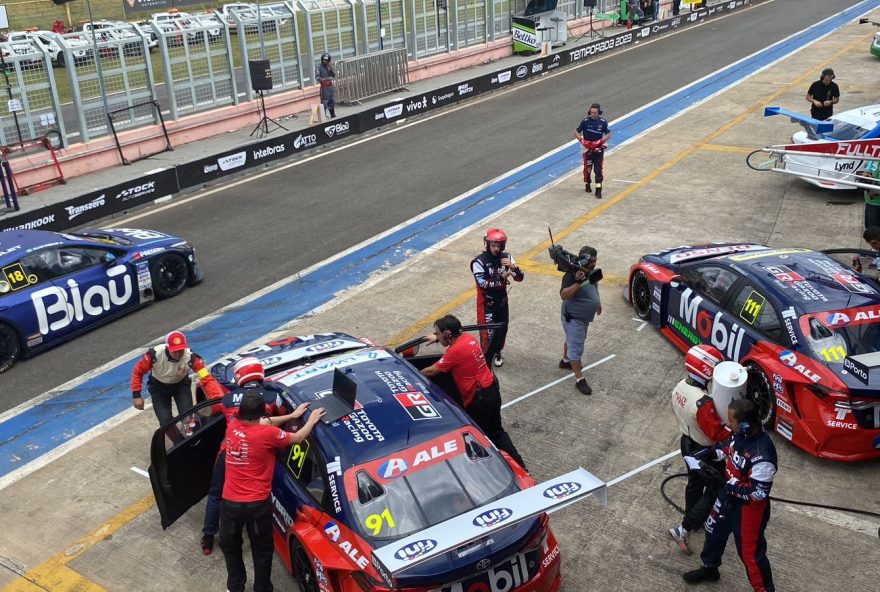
(643, 323)
(624, 181)
(140, 471)
(647, 465)
(554, 383)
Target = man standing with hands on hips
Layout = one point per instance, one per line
(593, 133)
(580, 305)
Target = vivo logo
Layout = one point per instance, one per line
(416, 549)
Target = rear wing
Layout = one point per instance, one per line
(549, 496)
(813, 127)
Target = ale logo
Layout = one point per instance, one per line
(415, 549)
(788, 357)
(492, 517)
(331, 529)
(562, 490)
(393, 467)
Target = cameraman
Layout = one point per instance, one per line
(580, 304)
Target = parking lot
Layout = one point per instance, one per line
(87, 521)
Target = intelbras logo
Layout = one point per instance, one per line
(75, 211)
(393, 111)
(337, 129)
(233, 161)
(305, 141)
(273, 150)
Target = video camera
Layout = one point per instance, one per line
(566, 261)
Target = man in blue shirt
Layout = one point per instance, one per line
(593, 133)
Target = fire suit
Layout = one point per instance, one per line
(593, 150)
(701, 428)
(228, 406)
(743, 507)
(492, 297)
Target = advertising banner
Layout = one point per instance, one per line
(525, 36)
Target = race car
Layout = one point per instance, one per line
(875, 40)
(805, 326)
(832, 154)
(395, 488)
(54, 286)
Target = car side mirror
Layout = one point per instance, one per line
(675, 280)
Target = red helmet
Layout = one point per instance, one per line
(176, 341)
(248, 370)
(495, 235)
(700, 362)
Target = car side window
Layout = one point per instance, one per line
(712, 281)
(756, 311)
(303, 462)
(59, 261)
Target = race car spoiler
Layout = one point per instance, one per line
(815, 126)
(549, 496)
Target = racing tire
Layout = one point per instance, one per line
(303, 570)
(640, 295)
(169, 273)
(760, 392)
(10, 347)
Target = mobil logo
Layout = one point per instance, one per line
(492, 517)
(415, 549)
(562, 490)
(726, 335)
(393, 467)
(331, 529)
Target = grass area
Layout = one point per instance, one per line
(24, 14)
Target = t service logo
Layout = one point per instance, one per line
(393, 111)
(522, 72)
(337, 129)
(303, 141)
(138, 191)
(233, 161)
(75, 211)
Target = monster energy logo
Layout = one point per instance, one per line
(752, 307)
(685, 331)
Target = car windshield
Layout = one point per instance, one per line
(422, 498)
(100, 237)
(846, 131)
(834, 335)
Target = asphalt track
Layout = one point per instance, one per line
(253, 234)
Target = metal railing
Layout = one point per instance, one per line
(29, 104)
(367, 76)
(272, 35)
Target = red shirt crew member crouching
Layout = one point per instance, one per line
(474, 380)
(250, 461)
(169, 366)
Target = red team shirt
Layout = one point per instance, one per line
(465, 361)
(250, 460)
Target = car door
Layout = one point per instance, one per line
(182, 456)
(91, 286)
(696, 313)
(301, 481)
(758, 315)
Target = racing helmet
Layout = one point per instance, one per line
(247, 370)
(728, 384)
(495, 235)
(325, 57)
(700, 362)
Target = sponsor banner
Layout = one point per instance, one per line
(96, 204)
(525, 36)
(599, 46)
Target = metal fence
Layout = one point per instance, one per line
(367, 76)
(272, 35)
(391, 20)
(330, 27)
(29, 106)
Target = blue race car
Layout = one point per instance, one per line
(395, 489)
(805, 326)
(54, 286)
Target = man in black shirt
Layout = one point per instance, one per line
(823, 95)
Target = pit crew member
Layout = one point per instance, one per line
(823, 95)
(743, 506)
(476, 384)
(593, 133)
(492, 271)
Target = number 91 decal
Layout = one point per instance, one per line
(375, 521)
(297, 458)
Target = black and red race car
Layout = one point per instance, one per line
(398, 490)
(806, 326)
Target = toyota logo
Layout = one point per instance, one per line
(483, 564)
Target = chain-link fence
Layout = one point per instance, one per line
(29, 107)
(197, 63)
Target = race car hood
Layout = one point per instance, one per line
(136, 237)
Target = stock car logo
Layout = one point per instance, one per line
(492, 517)
(562, 490)
(417, 405)
(415, 549)
(393, 467)
(331, 529)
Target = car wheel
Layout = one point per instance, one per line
(302, 567)
(10, 347)
(760, 392)
(169, 274)
(640, 294)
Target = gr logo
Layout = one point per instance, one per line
(752, 307)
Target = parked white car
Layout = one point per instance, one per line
(80, 47)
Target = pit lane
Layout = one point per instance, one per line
(696, 189)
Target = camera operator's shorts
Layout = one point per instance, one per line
(575, 335)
